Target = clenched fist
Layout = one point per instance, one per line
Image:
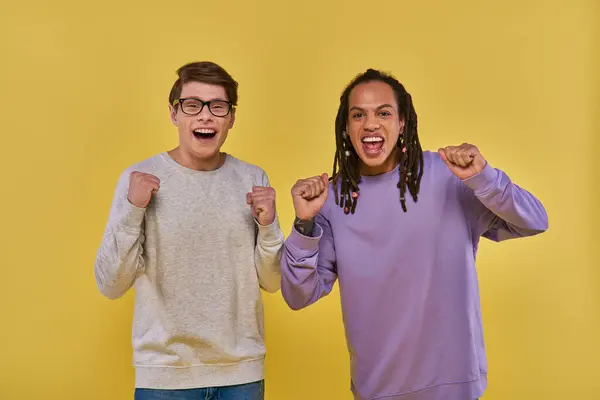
(464, 161)
(309, 196)
(262, 202)
(141, 188)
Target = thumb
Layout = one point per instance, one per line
(442, 154)
(444, 157)
(325, 178)
(248, 198)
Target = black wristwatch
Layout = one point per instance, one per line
(304, 226)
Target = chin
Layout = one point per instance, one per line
(377, 165)
(200, 153)
(206, 154)
(371, 161)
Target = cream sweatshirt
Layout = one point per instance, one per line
(197, 260)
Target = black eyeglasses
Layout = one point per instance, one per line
(193, 106)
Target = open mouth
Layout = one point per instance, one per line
(205, 133)
(372, 145)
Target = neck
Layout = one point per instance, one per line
(198, 164)
(388, 165)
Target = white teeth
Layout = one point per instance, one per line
(209, 131)
(372, 139)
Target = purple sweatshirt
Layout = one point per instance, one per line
(408, 282)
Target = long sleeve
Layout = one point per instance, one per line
(308, 265)
(267, 254)
(119, 258)
(501, 210)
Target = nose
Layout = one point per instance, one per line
(204, 114)
(371, 122)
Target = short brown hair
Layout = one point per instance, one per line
(204, 72)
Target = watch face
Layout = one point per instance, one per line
(304, 227)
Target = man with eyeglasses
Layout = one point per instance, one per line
(195, 231)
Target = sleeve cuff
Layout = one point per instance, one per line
(483, 182)
(308, 243)
(269, 233)
(132, 216)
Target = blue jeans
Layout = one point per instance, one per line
(248, 391)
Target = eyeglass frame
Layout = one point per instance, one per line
(204, 103)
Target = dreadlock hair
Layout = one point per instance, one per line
(347, 161)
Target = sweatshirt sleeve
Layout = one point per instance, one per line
(119, 258)
(308, 265)
(267, 254)
(499, 209)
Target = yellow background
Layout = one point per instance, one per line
(83, 94)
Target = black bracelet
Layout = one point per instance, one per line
(304, 226)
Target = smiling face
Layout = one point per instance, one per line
(201, 136)
(374, 126)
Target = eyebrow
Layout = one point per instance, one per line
(198, 98)
(378, 108)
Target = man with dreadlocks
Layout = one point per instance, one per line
(400, 228)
